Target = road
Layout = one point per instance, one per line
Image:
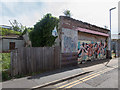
(102, 78)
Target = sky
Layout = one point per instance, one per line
(95, 12)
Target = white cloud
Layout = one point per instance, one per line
(90, 11)
(59, 0)
(24, 19)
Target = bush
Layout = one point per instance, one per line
(5, 75)
(4, 61)
(4, 32)
(5, 65)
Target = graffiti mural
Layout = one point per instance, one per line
(91, 50)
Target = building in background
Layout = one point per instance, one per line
(12, 42)
(6, 27)
(115, 44)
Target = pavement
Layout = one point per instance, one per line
(48, 78)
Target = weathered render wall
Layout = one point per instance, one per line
(69, 40)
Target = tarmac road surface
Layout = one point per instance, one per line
(102, 78)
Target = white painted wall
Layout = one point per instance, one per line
(0, 45)
(5, 44)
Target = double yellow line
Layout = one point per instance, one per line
(69, 85)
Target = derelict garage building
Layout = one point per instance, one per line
(83, 40)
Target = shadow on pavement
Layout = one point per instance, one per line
(95, 62)
(87, 64)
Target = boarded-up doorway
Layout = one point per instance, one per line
(12, 45)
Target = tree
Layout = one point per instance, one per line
(17, 26)
(27, 30)
(67, 13)
(106, 27)
(41, 35)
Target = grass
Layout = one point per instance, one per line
(5, 68)
(4, 61)
(5, 65)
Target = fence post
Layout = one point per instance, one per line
(11, 61)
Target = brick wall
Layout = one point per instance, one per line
(71, 23)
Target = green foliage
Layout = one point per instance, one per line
(42, 34)
(5, 68)
(27, 30)
(17, 26)
(5, 65)
(4, 32)
(5, 60)
(67, 13)
(5, 75)
(30, 28)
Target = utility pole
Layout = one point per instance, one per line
(109, 46)
(109, 43)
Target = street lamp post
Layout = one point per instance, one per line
(110, 31)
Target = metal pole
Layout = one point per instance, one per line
(110, 20)
(110, 35)
(109, 39)
(110, 32)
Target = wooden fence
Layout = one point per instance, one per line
(34, 59)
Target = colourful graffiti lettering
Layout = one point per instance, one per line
(91, 50)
